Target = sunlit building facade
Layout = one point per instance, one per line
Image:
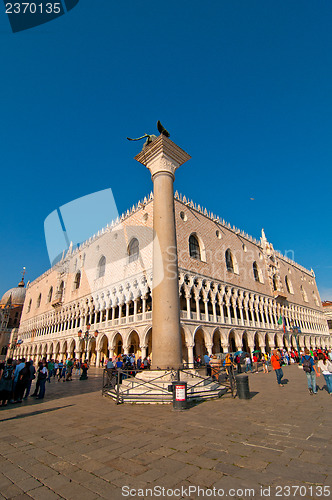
(234, 292)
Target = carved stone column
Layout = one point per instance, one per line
(162, 157)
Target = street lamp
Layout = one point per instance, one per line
(87, 337)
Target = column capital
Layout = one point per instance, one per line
(162, 155)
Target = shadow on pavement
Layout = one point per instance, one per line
(33, 413)
(253, 394)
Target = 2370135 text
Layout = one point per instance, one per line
(33, 8)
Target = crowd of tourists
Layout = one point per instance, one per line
(128, 362)
(314, 363)
(16, 377)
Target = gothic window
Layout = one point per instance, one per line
(256, 271)
(194, 249)
(101, 267)
(229, 261)
(61, 288)
(289, 285)
(38, 300)
(77, 280)
(275, 282)
(133, 250)
(315, 298)
(50, 293)
(304, 294)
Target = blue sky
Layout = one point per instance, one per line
(244, 87)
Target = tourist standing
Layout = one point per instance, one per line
(324, 365)
(85, 367)
(6, 381)
(32, 376)
(69, 369)
(310, 370)
(207, 360)
(247, 364)
(42, 376)
(255, 362)
(50, 369)
(18, 368)
(55, 369)
(276, 365)
(22, 383)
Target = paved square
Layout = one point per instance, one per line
(77, 444)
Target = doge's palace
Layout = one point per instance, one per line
(233, 291)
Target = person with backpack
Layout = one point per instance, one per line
(6, 381)
(310, 370)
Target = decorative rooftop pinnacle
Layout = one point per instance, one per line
(21, 283)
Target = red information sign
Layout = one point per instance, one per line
(180, 393)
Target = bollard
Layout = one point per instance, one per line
(242, 386)
(179, 395)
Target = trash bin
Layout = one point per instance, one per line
(179, 395)
(242, 386)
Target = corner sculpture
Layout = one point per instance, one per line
(151, 137)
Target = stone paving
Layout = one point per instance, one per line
(76, 444)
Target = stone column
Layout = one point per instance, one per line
(143, 307)
(241, 314)
(198, 310)
(188, 306)
(214, 309)
(206, 309)
(209, 348)
(143, 349)
(162, 157)
(190, 348)
(98, 353)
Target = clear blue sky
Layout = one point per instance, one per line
(243, 86)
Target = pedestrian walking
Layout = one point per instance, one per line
(310, 370)
(276, 365)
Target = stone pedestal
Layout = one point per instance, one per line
(162, 157)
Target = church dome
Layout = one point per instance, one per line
(16, 295)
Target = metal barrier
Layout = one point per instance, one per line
(157, 389)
